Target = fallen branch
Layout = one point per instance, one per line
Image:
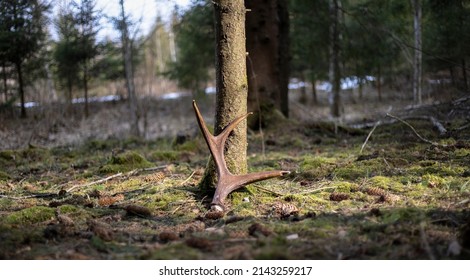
(120, 174)
(187, 179)
(438, 125)
(415, 132)
(38, 195)
(96, 182)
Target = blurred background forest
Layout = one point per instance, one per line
(340, 60)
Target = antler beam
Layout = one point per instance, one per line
(226, 181)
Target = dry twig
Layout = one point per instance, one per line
(368, 136)
(120, 174)
(415, 132)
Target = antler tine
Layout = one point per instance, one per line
(227, 182)
(238, 181)
(212, 142)
(231, 126)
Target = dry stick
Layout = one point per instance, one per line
(187, 179)
(415, 132)
(368, 136)
(438, 125)
(29, 196)
(463, 127)
(120, 174)
(269, 191)
(96, 182)
(317, 190)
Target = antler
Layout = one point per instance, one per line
(226, 181)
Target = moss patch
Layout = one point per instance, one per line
(126, 161)
(31, 215)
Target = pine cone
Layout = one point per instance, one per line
(338, 196)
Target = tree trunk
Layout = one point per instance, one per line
(128, 68)
(417, 62)
(313, 81)
(379, 84)
(303, 90)
(231, 84)
(5, 85)
(267, 44)
(21, 88)
(464, 75)
(284, 54)
(85, 86)
(334, 72)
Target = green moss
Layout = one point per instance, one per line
(344, 186)
(125, 162)
(361, 169)
(434, 181)
(438, 169)
(100, 145)
(6, 204)
(167, 201)
(30, 215)
(4, 176)
(386, 183)
(407, 215)
(8, 155)
(67, 209)
(164, 156)
(316, 167)
(462, 152)
(191, 145)
(35, 154)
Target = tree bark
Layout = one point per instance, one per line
(417, 61)
(85, 86)
(379, 83)
(284, 54)
(334, 72)
(129, 71)
(464, 75)
(313, 80)
(21, 88)
(231, 84)
(267, 31)
(4, 78)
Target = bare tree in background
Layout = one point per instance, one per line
(129, 71)
(334, 74)
(417, 61)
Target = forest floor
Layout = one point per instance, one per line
(392, 196)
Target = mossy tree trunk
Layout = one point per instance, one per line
(231, 84)
(267, 28)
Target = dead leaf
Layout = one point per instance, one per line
(285, 209)
(199, 243)
(109, 200)
(65, 220)
(101, 230)
(167, 236)
(257, 230)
